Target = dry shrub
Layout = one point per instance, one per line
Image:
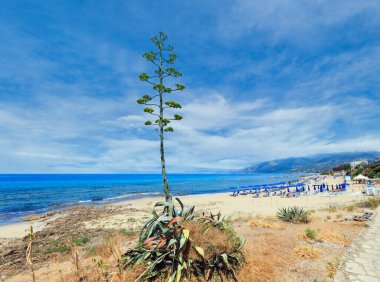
(329, 236)
(266, 224)
(331, 269)
(222, 241)
(306, 252)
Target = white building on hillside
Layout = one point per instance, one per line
(356, 163)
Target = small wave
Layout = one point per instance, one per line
(131, 196)
(85, 201)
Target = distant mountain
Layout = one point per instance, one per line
(315, 163)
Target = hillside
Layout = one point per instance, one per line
(315, 163)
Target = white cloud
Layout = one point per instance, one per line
(92, 135)
(295, 21)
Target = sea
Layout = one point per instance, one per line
(26, 194)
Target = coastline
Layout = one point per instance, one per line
(204, 203)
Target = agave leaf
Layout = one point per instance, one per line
(174, 220)
(241, 243)
(151, 229)
(225, 260)
(207, 218)
(171, 278)
(164, 218)
(162, 204)
(176, 235)
(161, 243)
(186, 233)
(179, 273)
(143, 257)
(171, 242)
(200, 251)
(181, 204)
(149, 240)
(154, 213)
(207, 229)
(182, 242)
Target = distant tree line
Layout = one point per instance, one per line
(371, 170)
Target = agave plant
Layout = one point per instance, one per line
(167, 251)
(284, 214)
(170, 216)
(293, 214)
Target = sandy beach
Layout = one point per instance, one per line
(223, 202)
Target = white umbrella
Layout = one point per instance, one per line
(360, 177)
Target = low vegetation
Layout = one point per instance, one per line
(371, 203)
(310, 233)
(266, 224)
(331, 269)
(324, 236)
(294, 215)
(176, 244)
(306, 252)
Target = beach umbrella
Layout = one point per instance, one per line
(360, 177)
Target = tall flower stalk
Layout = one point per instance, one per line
(163, 60)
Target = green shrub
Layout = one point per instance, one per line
(81, 241)
(61, 249)
(293, 214)
(176, 244)
(310, 233)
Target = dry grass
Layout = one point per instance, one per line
(331, 269)
(305, 252)
(267, 250)
(202, 237)
(329, 236)
(265, 258)
(266, 224)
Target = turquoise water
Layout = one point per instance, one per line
(24, 194)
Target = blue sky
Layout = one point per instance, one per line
(265, 80)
